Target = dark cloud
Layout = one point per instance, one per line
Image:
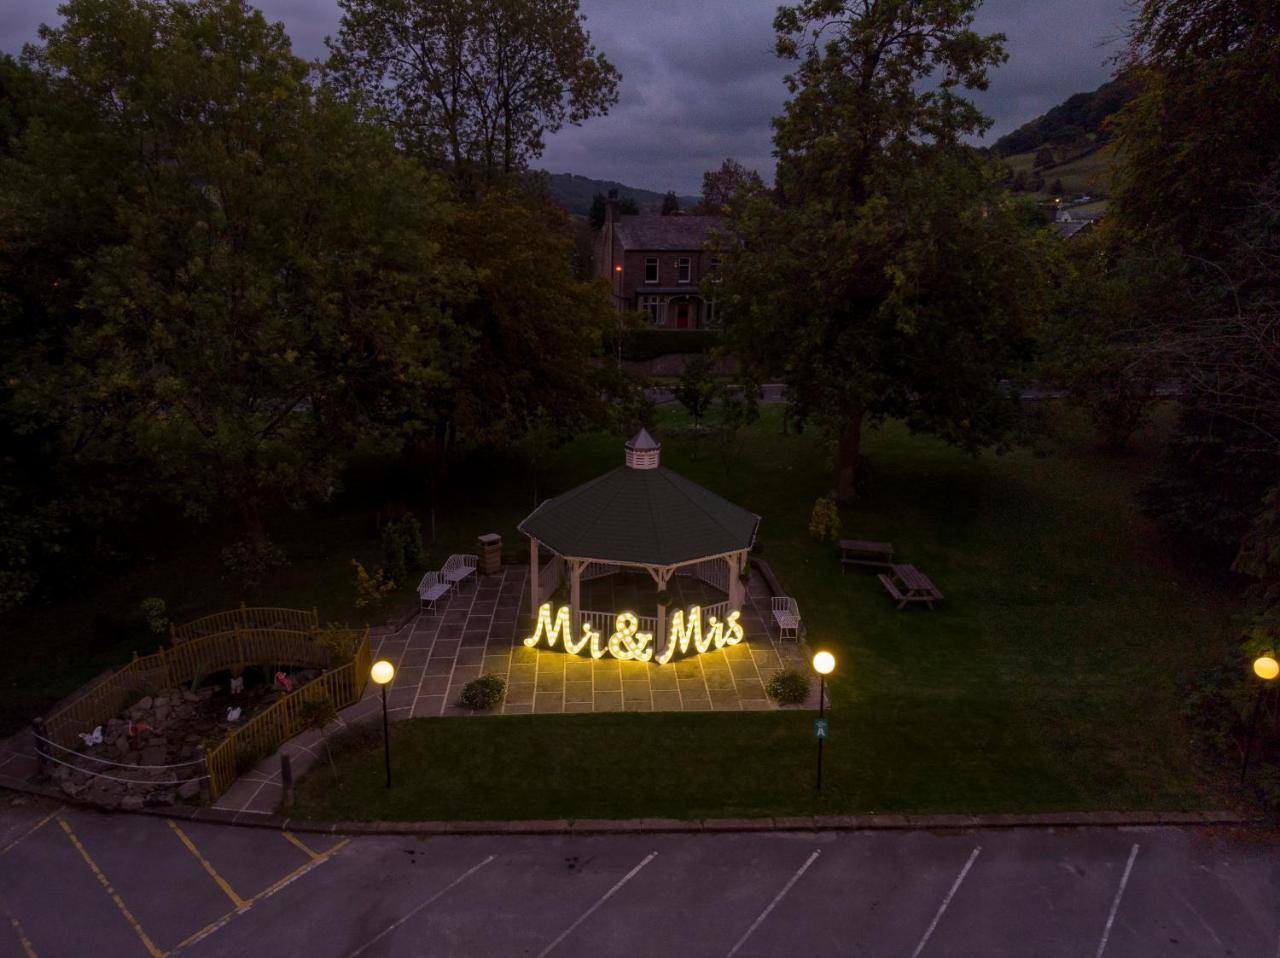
(700, 81)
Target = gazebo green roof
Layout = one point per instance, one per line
(647, 515)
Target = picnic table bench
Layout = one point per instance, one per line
(907, 584)
(860, 552)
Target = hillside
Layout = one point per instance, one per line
(1086, 172)
(1076, 122)
(575, 192)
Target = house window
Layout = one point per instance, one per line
(655, 306)
(715, 263)
(683, 269)
(709, 319)
(651, 269)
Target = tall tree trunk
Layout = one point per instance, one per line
(850, 450)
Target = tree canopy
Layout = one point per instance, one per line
(472, 84)
(720, 186)
(888, 277)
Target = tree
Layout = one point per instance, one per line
(626, 207)
(720, 186)
(1056, 187)
(890, 278)
(670, 204)
(260, 283)
(1044, 158)
(697, 388)
(474, 85)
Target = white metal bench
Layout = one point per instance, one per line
(787, 614)
(432, 587)
(459, 567)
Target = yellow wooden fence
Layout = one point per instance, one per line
(246, 617)
(232, 649)
(257, 738)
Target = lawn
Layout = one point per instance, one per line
(1048, 679)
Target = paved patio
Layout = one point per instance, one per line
(480, 631)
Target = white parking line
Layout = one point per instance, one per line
(447, 888)
(773, 904)
(955, 886)
(604, 898)
(1115, 905)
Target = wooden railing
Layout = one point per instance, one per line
(181, 664)
(247, 617)
(247, 745)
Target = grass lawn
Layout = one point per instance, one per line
(1047, 680)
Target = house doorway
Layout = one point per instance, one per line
(682, 314)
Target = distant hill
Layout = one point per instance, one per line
(1077, 121)
(575, 192)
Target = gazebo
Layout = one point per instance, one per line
(648, 535)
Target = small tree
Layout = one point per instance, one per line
(371, 590)
(697, 388)
(670, 204)
(824, 521)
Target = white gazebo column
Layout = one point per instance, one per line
(735, 583)
(575, 594)
(533, 576)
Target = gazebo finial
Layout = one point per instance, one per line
(643, 451)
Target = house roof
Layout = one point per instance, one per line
(652, 231)
(645, 516)
(1069, 228)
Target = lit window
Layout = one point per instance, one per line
(683, 267)
(651, 269)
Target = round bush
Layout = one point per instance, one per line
(483, 693)
(789, 687)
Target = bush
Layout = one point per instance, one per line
(371, 590)
(156, 614)
(250, 560)
(789, 687)
(824, 521)
(644, 344)
(483, 693)
(402, 547)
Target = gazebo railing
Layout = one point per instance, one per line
(719, 610)
(549, 578)
(714, 572)
(598, 570)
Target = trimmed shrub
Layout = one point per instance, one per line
(789, 687)
(483, 693)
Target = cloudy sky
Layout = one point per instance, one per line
(700, 82)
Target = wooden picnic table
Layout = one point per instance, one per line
(907, 584)
(861, 552)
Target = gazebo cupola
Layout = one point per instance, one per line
(617, 545)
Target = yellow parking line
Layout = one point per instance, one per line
(27, 950)
(297, 873)
(293, 839)
(29, 832)
(102, 879)
(213, 872)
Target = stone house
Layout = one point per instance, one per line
(655, 264)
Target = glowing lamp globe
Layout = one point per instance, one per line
(1265, 667)
(824, 663)
(382, 672)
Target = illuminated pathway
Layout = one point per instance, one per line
(81, 883)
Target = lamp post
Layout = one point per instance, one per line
(823, 663)
(1266, 668)
(382, 673)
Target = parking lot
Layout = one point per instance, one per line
(75, 882)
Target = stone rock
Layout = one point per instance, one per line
(161, 796)
(73, 788)
(122, 744)
(162, 714)
(156, 742)
(190, 696)
(144, 704)
(189, 789)
(206, 693)
(132, 757)
(154, 755)
(131, 803)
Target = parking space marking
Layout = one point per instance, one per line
(208, 866)
(447, 888)
(288, 879)
(1115, 904)
(600, 901)
(29, 832)
(106, 885)
(955, 887)
(298, 843)
(773, 904)
(23, 940)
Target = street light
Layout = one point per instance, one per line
(1266, 668)
(823, 664)
(382, 673)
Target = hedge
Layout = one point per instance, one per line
(644, 344)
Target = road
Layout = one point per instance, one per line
(74, 882)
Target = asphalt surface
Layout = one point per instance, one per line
(79, 883)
